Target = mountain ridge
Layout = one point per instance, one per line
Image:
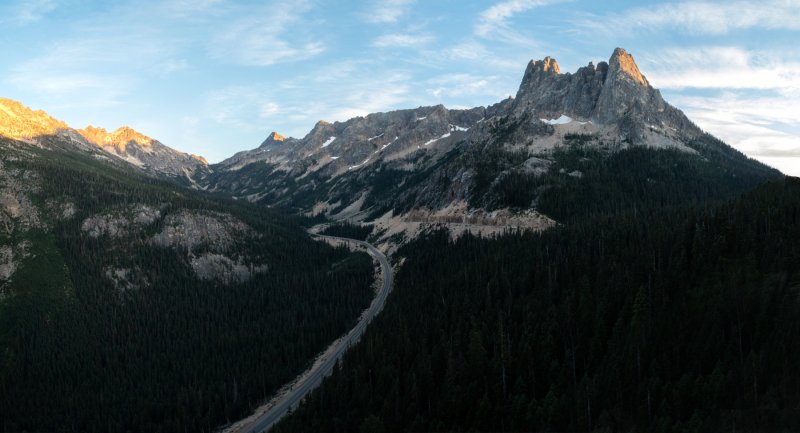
(36, 127)
(433, 164)
(439, 163)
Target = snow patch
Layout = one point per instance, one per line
(352, 167)
(436, 139)
(421, 118)
(458, 128)
(387, 145)
(563, 120)
(334, 158)
(328, 143)
(377, 136)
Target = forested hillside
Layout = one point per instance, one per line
(130, 304)
(680, 320)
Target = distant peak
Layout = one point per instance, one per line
(118, 139)
(19, 121)
(548, 64)
(272, 139)
(199, 158)
(274, 136)
(623, 62)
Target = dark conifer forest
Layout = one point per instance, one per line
(176, 354)
(685, 319)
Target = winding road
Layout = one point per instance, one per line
(311, 379)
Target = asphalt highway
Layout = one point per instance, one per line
(306, 384)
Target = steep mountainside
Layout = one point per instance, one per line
(143, 151)
(149, 155)
(130, 303)
(530, 159)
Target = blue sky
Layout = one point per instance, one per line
(216, 76)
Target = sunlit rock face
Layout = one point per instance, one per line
(144, 152)
(20, 122)
(118, 139)
(615, 94)
(126, 144)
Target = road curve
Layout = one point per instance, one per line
(313, 379)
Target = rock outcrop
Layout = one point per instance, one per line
(144, 152)
(40, 129)
(613, 94)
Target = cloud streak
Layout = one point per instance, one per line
(268, 38)
(493, 22)
(30, 11)
(700, 17)
(402, 40)
(749, 99)
(723, 68)
(387, 11)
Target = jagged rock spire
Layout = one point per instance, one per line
(622, 63)
(614, 93)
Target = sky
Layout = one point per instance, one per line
(213, 77)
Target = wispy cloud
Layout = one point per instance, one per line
(406, 40)
(242, 107)
(760, 125)
(749, 99)
(493, 23)
(723, 68)
(370, 96)
(702, 17)
(292, 107)
(29, 11)
(89, 70)
(270, 37)
(459, 84)
(475, 52)
(386, 11)
(188, 8)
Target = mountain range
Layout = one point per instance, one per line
(578, 257)
(485, 167)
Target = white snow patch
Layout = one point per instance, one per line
(458, 128)
(421, 118)
(563, 120)
(386, 145)
(377, 136)
(482, 119)
(359, 165)
(334, 158)
(328, 143)
(436, 139)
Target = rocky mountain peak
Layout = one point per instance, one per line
(549, 64)
(118, 139)
(126, 134)
(201, 159)
(539, 70)
(614, 95)
(622, 62)
(273, 139)
(274, 136)
(20, 122)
